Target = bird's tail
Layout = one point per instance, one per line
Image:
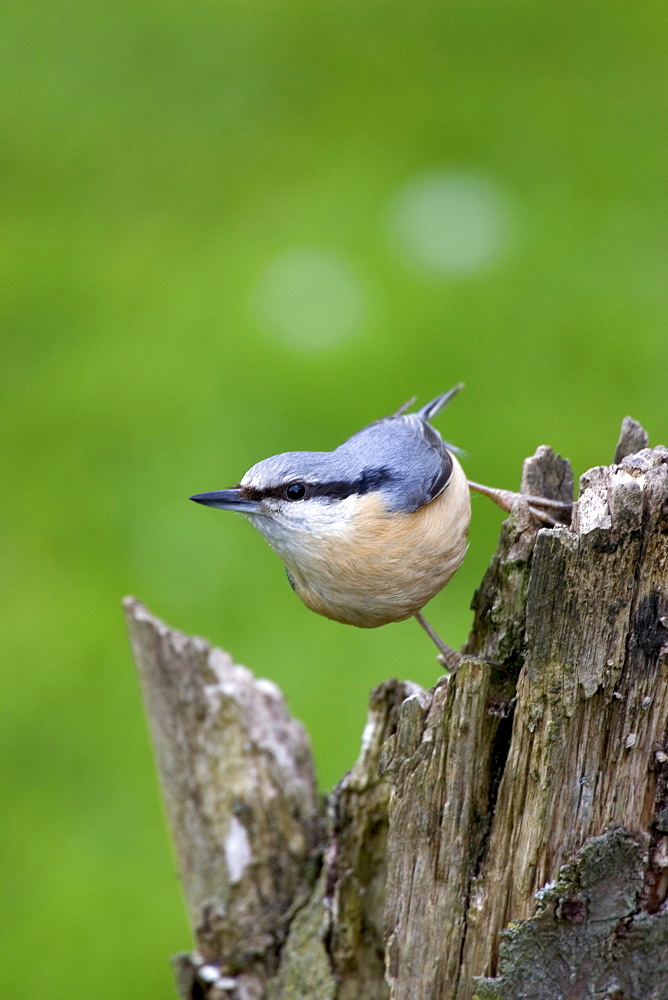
(436, 405)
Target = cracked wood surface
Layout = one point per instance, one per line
(238, 782)
(592, 697)
(546, 749)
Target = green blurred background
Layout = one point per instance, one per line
(235, 229)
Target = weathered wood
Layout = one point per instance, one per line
(587, 938)
(632, 438)
(445, 765)
(238, 782)
(592, 697)
(344, 918)
(438, 764)
(530, 788)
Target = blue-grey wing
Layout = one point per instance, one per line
(412, 456)
(428, 464)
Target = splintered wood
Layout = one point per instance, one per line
(529, 789)
(237, 777)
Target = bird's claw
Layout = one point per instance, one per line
(450, 660)
(549, 512)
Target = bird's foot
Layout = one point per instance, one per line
(447, 656)
(450, 659)
(549, 512)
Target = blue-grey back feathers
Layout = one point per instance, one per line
(401, 456)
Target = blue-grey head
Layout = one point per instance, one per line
(401, 459)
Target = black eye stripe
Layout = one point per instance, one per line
(371, 479)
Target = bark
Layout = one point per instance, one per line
(503, 835)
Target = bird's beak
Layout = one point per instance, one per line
(227, 500)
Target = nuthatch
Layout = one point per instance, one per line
(371, 531)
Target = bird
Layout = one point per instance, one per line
(370, 531)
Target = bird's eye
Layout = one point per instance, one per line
(295, 491)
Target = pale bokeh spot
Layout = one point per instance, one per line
(451, 223)
(309, 299)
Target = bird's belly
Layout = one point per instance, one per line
(389, 566)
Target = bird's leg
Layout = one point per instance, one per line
(447, 657)
(550, 512)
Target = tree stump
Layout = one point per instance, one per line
(503, 835)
